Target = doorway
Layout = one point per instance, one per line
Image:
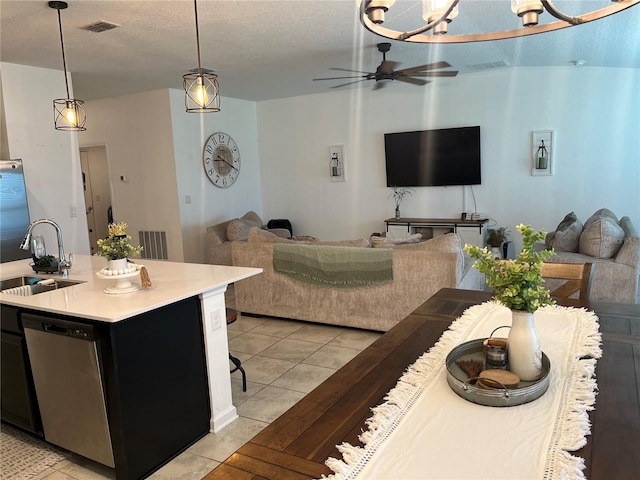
(97, 192)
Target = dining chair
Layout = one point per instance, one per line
(577, 276)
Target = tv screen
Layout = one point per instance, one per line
(448, 156)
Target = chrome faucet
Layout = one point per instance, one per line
(63, 264)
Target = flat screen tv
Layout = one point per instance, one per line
(443, 157)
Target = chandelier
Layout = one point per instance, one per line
(439, 13)
(201, 91)
(68, 113)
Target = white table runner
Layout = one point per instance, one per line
(425, 431)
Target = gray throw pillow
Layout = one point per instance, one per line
(238, 229)
(566, 237)
(602, 238)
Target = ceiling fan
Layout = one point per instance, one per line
(386, 73)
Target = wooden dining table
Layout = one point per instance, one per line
(296, 445)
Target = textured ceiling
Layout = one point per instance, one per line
(274, 48)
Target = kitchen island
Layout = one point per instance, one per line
(163, 351)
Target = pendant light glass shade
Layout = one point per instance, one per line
(201, 91)
(68, 114)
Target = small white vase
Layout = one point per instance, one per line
(523, 347)
(119, 264)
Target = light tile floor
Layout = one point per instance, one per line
(284, 360)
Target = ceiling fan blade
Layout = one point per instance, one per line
(387, 66)
(413, 81)
(347, 70)
(349, 83)
(338, 78)
(430, 74)
(428, 66)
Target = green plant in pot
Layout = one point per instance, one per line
(117, 245)
(398, 196)
(496, 236)
(518, 285)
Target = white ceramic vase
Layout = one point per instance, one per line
(116, 265)
(523, 347)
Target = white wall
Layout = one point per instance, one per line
(137, 133)
(50, 157)
(158, 146)
(594, 113)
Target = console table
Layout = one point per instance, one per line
(470, 231)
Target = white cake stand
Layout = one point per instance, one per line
(123, 284)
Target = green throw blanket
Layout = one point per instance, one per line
(334, 266)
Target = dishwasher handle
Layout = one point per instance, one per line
(52, 328)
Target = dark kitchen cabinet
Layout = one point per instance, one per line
(19, 405)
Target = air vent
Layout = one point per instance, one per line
(479, 67)
(154, 244)
(100, 26)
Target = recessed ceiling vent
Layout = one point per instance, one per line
(101, 26)
(480, 67)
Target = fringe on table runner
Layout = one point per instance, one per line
(570, 429)
(572, 424)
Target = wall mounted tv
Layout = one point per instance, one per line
(443, 157)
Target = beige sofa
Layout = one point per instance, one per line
(612, 245)
(419, 271)
(220, 236)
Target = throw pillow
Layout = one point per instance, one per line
(602, 213)
(253, 218)
(566, 237)
(238, 229)
(602, 238)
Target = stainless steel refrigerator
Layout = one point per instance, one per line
(14, 211)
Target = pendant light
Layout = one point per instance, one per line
(68, 114)
(202, 94)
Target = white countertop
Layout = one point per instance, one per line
(171, 282)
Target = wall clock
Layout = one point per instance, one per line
(221, 159)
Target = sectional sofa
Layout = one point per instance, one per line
(418, 271)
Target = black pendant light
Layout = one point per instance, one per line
(201, 92)
(68, 114)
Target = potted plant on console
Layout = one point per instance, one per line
(495, 238)
(117, 247)
(517, 284)
(398, 196)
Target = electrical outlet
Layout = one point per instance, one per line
(216, 319)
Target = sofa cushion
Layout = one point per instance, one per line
(601, 238)
(359, 242)
(566, 237)
(627, 226)
(385, 242)
(238, 229)
(257, 235)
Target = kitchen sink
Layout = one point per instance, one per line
(44, 285)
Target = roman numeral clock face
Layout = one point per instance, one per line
(221, 160)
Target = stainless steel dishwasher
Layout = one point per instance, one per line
(67, 375)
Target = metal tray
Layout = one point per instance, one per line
(503, 397)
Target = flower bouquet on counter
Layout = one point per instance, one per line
(117, 245)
